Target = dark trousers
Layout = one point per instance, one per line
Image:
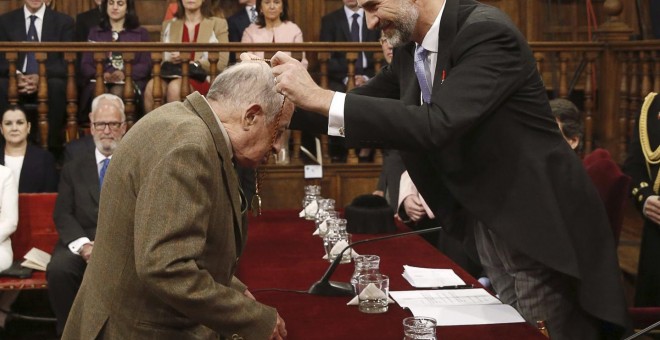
(56, 109)
(64, 275)
(536, 291)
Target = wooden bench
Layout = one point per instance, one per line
(36, 228)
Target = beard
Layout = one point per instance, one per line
(106, 148)
(403, 28)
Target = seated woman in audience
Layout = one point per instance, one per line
(273, 25)
(8, 223)
(8, 215)
(194, 23)
(119, 23)
(33, 167)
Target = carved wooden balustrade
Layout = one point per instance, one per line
(611, 79)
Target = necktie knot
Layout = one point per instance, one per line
(421, 53)
(33, 18)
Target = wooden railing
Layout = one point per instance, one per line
(609, 78)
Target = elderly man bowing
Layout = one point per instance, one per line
(171, 228)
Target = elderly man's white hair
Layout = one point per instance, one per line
(248, 82)
(109, 96)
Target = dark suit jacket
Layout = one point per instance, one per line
(169, 236)
(77, 204)
(336, 28)
(85, 21)
(38, 173)
(238, 22)
(488, 147)
(390, 176)
(57, 27)
(77, 147)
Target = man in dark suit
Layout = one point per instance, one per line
(87, 20)
(239, 21)
(77, 205)
(337, 26)
(485, 152)
(171, 221)
(36, 22)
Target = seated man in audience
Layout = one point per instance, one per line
(239, 21)
(85, 21)
(36, 22)
(77, 205)
(347, 24)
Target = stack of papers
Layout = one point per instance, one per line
(454, 307)
(431, 277)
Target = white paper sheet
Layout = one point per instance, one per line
(469, 314)
(431, 277)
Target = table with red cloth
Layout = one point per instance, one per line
(282, 253)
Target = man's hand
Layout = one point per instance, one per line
(86, 251)
(378, 193)
(279, 333)
(360, 80)
(294, 82)
(27, 83)
(652, 208)
(414, 208)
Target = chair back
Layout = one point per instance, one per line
(612, 186)
(36, 227)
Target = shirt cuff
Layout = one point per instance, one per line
(76, 245)
(336, 115)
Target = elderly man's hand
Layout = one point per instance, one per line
(279, 333)
(86, 251)
(293, 81)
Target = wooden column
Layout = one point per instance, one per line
(129, 91)
(42, 99)
(71, 97)
(157, 91)
(612, 30)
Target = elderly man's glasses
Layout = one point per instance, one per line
(100, 126)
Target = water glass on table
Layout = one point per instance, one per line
(373, 290)
(419, 328)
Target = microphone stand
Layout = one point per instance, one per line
(326, 287)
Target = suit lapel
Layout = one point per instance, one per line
(47, 31)
(409, 84)
(90, 175)
(199, 105)
(448, 29)
(343, 24)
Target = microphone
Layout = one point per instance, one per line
(326, 287)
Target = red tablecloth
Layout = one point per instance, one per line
(282, 253)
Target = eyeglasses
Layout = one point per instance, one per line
(100, 126)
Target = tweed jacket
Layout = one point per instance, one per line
(169, 237)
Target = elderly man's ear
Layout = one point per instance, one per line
(251, 116)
